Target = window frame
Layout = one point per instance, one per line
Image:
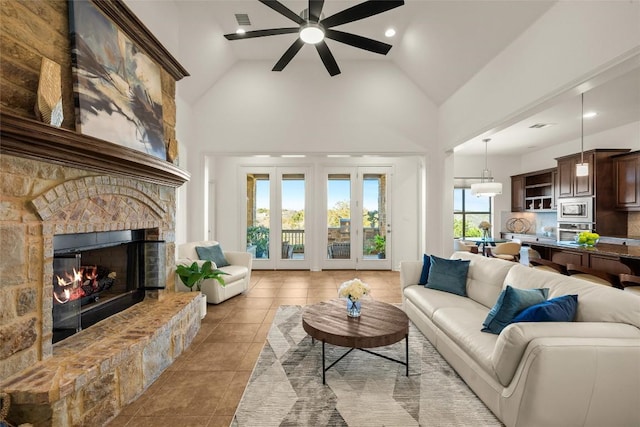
(463, 212)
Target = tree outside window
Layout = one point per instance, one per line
(468, 212)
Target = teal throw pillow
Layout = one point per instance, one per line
(561, 309)
(448, 275)
(212, 253)
(511, 302)
(426, 266)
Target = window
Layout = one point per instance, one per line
(468, 212)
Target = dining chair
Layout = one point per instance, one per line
(630, 283)
(509, 251)
(595, 276)
(546, 265)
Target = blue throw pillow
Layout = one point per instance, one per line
(511, 302)
(212, 253)
(426, 266)
(448, 275)
(561, 309)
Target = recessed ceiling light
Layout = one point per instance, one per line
(240, 31)
(293, 155)
(337, 156)
(590, 114)
(390, 32)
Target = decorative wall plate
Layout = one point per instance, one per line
(518, 225)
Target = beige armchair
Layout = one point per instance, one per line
(238, 272)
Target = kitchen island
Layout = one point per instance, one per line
(613, 255)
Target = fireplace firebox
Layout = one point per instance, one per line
(96, 275)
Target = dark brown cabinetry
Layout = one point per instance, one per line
(517, 193)
(599, 184)
(627, 181)
(534, 191)
(570, 185)
(564, 257)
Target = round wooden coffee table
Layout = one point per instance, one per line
(379, 325)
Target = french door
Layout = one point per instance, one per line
(357, 225)
(277, 203)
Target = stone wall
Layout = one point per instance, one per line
(40, 199)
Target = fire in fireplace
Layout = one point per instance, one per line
(96, 275)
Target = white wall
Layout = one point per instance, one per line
(571, 43)
(365, 110)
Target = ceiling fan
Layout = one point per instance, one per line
(313, 28)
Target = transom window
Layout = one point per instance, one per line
(468, 212)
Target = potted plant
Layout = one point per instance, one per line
(258, 235)
(380, 245)
(192, 275)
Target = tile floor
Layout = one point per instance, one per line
(203, 387)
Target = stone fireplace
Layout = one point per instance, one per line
(58, 186)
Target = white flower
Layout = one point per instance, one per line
(353, 289)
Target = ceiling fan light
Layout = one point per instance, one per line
(311, 33)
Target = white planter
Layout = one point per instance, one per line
(203, 306)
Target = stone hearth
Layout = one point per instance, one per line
(95, 373)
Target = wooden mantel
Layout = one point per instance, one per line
(29, 138)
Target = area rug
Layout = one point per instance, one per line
(285, 388)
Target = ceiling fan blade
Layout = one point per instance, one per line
(315, 9)
(327, 58)
(358, 41)
(283, 10)
(288, 55)
(360, 11)
(262, 33)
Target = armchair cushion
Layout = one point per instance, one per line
(212, 253)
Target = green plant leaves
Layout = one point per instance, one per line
(192, 275)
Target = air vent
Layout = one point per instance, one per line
(541, 125)
(243, 19)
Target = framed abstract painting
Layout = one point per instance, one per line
(117, 86)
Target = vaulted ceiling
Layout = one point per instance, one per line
(439, 45)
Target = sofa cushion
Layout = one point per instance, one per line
(514, 339)
(212, 253)
(561, 309)
(597, 303)
(511, 302)
(426, 266)
(460, 324)
(448, 275)
(485, 278)
(430, 300)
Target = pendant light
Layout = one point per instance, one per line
(582, 168)
(486, 187)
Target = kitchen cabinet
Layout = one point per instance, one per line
(564, 257)
(610, 264)
(599, 184)
(517, 193)
(627, 181)
(534, 191)
(570, 185)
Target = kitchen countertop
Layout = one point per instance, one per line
(606, 246)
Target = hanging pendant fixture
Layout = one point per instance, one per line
(486, 187)
(582, 168)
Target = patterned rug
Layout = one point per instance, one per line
(285, 388)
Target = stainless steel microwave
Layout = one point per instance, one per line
(579, 209)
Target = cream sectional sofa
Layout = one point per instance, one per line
(238, 272)
(581, 373)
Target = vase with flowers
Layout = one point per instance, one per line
(485, 226)
(353, 291)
